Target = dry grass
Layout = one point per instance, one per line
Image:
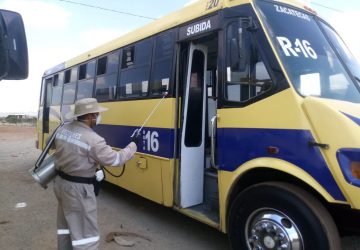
(17, 132)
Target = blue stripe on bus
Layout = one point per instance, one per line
(241, 145)
(353, 118)
(155, 141)
(236, 146)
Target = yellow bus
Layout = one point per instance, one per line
(257, 134)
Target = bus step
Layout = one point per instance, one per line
(211, 191)
(201, 213)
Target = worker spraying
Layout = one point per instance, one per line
(78, 153)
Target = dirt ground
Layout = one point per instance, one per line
(28, 212)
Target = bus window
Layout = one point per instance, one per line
(46, 110)
(127, 57)
(70, 86)
(42, 93)
(67, 76)
(243, 62)
(82, 71)
(143, 51)
(193, 134)
(107, 77)
(313, 52)
(90, 69)
(86, 80)
(162, 63)
(134, 82)
(74, 75)
(101, 66)
(106, 87)
(57, 89)
(48, 84)
(160, 77)
(85, 89)
(134, 77)
(113, 63)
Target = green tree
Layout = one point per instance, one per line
(11, 119)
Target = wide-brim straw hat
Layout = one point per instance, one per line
(86, 106)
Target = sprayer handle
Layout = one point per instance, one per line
(135, 137)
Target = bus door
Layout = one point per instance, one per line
(50, 116)
(193, 129)
(46, 111)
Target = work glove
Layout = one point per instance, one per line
(99, 175)
(136, 136)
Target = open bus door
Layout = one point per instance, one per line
(44, 113)
(193, 129)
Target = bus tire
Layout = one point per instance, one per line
(262, 217)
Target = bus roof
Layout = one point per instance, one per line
(197, 9)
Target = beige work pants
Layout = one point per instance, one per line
(77, 227)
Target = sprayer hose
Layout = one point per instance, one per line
(114, 175)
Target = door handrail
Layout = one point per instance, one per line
(213, 123)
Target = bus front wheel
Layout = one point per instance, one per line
(277, 215)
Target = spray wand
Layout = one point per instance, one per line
(137, 131)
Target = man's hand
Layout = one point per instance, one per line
(99, 175)
(136, 136)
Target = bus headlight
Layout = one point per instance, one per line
(349, 161)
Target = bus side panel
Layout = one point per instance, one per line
(167, 175)
(246, 134)
(54, 121)
(150, 173)
(134, 113)
(142, 175)
(227, 181)
(337, 129)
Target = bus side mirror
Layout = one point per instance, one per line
(234, 54)
(14, 63)
(239, 52)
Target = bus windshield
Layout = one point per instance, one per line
(312, 53)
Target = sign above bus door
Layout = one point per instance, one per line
(199, 27)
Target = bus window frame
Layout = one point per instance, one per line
(267, 54)
(42, 92)
(48, 95)
(76, 68)
(83, 65)
(135, 66)
(122, 65)
(100, 58)
(58, 85)
(117, 73)
(174, 33)
(86, 79)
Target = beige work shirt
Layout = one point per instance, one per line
(79, 151)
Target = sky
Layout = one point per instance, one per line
(58, 30)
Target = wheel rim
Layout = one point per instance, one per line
(268, 228)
